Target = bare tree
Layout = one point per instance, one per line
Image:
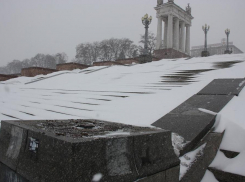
(61, 58)
(106, 50)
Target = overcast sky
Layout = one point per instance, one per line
(28, 27)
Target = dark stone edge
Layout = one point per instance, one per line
(192, 145)
(223, 176)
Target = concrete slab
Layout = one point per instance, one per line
(213, 103)
(191, 127)
(223, 87)
(75, 150)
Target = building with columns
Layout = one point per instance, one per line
(173, 30)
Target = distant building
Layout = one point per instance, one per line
(215, 49)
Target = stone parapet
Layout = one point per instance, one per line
(128, 61)
(34, 71)
(7, 77)
(169, 54)
(106, 63)
(76, 150)
(71, 66)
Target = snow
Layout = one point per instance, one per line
(209, 177)
(139, 94)
(231, 120)
(207, 111)
(97, 177)
(178, 143)
(188, 159)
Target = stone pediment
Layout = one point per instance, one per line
(170, 8)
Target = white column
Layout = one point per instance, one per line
(159, 33)
(165, 33)
(176, 34)
(182, 43)
(188, 37)
(170, 31)
(179, 37)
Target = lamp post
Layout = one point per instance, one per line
(205, 28)
(146, 21)
(145, 56)
(227, 32)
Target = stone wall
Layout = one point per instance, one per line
(169, 54)
(7, 77)
(128, 61)
(34, 71)
(71, 66)
(106, 63)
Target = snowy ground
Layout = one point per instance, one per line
(137, 95)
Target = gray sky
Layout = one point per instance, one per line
(28, 27)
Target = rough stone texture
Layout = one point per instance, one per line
(34, 71)
(106, 63)
(169, 54)
(8, 175)
(190, 123)
(7, 77)
(170, 175)
(200, 165)
(71, 66)
(141, 152)
(223, 87)
(226, 177)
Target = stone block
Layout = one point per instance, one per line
(198, 168)
(191, 127)
(170, 175)
(8, 175)
(223, 87)
(225, 176)
(191, 123)
(75, 150)
(149, 154)
(213, 103)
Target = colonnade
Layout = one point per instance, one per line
(176, 34)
